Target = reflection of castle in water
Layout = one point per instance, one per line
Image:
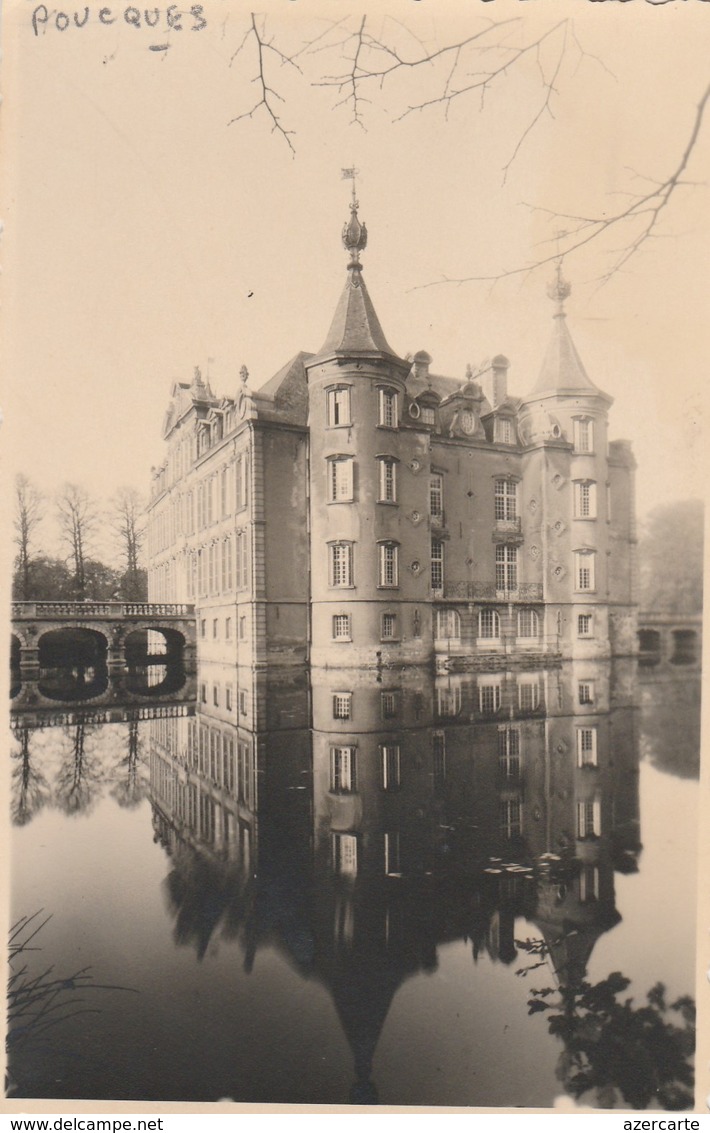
(441, 808)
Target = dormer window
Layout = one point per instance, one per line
(504, 432)
(428, 415)
(388, 408)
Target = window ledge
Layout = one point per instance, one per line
(389, 503)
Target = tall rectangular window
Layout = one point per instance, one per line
(344, 854)
(387, 479)
(223, 481)
(438, 746)
(340, 479)
(338, 406)
(584, 625)
(241, 482)
(341, 627)
(585, 570)
(589, 823)
(389, 564)
(342, 769)
(506, 499)
(489, 697)
(342, 703)
(585, 499)
(388, 408)
(589, 882)
(585, 691)
(511, 817)
(436, 497)
(341, 564)
(503, 431)
(391, 845)
(242, 557)
(583, 434)
(506, 567)
(388, 704)
(509, 752)
(390, 766)
(437, 565)
(587, 747)
(389, 627)
(528, 694)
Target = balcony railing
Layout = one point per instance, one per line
(509, 525)
(101, 609)
(467, 591)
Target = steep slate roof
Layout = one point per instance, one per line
(562, 367)
(355, 327)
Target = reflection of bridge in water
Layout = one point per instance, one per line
(49, 634)
(667, 636)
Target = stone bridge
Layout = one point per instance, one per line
(111, 625)
(667, 636)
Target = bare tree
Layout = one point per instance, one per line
(28, 514)
(374, 62)
(127, 520)
(78, 521)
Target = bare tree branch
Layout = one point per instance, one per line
(268, 93)
(646, 209)
(28, 515)
(78, 521)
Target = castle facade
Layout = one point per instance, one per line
(360, 509)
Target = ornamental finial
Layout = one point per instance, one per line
(244, 375)
(354, 232)
(559, 290)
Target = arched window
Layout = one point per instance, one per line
(448, 624)
(488, 623)
(528, 623)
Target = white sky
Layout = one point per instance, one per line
(145, 235)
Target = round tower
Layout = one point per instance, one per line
(369, 564)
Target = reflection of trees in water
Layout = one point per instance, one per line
(29, 789)
(130, 773)
(205, 896)
(82, 774)
(644, 1053)
(70, 768)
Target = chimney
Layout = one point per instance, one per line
(495, 382)
(422, 362)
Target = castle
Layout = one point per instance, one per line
(360, 510)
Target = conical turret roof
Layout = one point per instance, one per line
(355, 329)
(562, 369)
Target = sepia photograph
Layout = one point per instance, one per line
(353, 490)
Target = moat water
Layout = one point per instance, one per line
(447, 897)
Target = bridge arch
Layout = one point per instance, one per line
(68, 644)
(15, 660)
(73, 663)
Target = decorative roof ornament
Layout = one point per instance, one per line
(559, 290)
(198, 386)
(354, 231)
(244, 375)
